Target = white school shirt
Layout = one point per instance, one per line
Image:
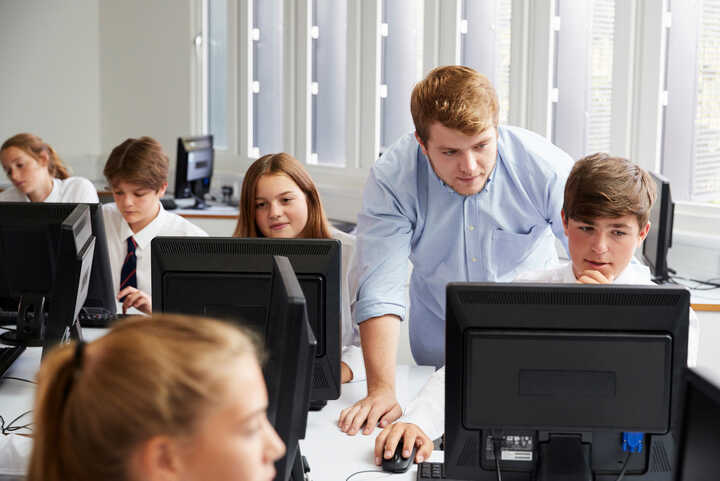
(117, 231)
(72, 189)
(427, 410)
(349, 332)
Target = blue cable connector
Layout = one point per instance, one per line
(632, 442)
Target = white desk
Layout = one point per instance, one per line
(332, 454)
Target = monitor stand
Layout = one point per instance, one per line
(200, 203)
(31, 322)
(564, 458)
(300, 468)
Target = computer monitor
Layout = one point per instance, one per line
(100, 292)
(290, 344)
(230, 278)
(194, 168)
(46, 258)
(659, 239)
(556, 374)
(699, 446)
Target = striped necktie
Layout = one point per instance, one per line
(128, 277)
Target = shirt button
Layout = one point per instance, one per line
(474, 259)
(471, 227)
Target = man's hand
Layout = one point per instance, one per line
(135, 298)
(594, 277)
(379, 405)
(346, 374)
(409, 435)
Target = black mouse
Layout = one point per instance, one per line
(398, 464)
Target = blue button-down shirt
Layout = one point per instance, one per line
(408, 212)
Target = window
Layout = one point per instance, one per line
(400, 66)
(217, 72)
(267, 77)
(329, 83)
(485, 44)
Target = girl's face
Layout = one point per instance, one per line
(235, 439)
(27, 174)
(281, 208)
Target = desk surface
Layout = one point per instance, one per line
(332, 455)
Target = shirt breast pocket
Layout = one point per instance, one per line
(511, 251)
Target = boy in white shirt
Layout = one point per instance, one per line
(137, 172)
(605, 213)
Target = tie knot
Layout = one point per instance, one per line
(131, 244)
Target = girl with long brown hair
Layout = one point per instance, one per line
(39, 175)
(280, 200)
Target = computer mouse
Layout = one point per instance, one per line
(398, 464)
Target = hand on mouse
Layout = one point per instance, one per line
(409, 435)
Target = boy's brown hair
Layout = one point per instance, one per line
(458, 97)
(138, 161)
(604, 186)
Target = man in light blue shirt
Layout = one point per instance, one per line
(464, 200)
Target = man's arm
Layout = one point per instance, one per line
(379, 337)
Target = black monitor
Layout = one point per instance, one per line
(230, 278)
(659, 239)
(698, 456)
(194, 168)
(290, 344)
(100, 292)
(550, 376)
(46, 258)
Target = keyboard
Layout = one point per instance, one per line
(97, 317)
(428, 471)
(8, 356)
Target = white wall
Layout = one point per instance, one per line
(145, 71)
(49, 79)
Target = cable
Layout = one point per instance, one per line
(710, 282)
(18, 379)
(366, 471)
(10, 428)
(625, 466)
(497, 440)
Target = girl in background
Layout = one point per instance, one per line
(39, 175)
(280, 200)
(166, 398)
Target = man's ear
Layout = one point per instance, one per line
(157, 459)
(643, 233)
(422, 145)
(162, 189)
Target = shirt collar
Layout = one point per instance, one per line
(54, 195)
(148, 233)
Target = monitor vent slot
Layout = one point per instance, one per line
(470, 455)
(319, 379)
(191, 247)
(587, 298)
(659, 460)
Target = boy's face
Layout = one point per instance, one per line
(605, 244)
(464, 162)
(138, 204)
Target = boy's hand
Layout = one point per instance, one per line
(595, 277)
(132, 297)
(346, 374)
(409, 435)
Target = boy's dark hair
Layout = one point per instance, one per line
(138, 161)
(604, 186)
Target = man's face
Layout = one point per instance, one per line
(464, 162)
(605, 244)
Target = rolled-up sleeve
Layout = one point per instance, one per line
(380, 266)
